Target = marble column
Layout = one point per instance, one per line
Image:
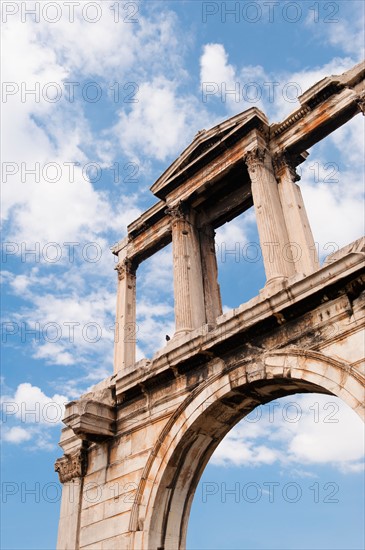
(304, 252)
(188, 282)
(71, 470)
(269, 217)
(212, 295)
(126, 327)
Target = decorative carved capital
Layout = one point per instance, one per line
(285, 161)
(72, 465)
(254, 158)
(178, 212)
(127, 266)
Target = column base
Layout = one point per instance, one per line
(273, 286)
(181, 333)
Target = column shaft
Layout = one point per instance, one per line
(269, 216)
(71, 468)
(212, 295)
(69, 522)
(304, 252)
(188, 283)
(126, 327)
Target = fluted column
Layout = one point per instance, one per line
(269, 217)
(126, 327)
(300, 235)
(212, 295)
(188, 283)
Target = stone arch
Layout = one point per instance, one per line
(184, 447)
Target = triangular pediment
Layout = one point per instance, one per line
(204, 143)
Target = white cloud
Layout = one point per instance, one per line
(65, 329)
(342, 195)
(30, 405)
(236, 89)
(302, 430)
(350, 142)
(214, 66)
(231, 238)
(20, 283)
(325, 210)
(232, 232)
(157, 274)
(349, 21)
(54, 353)
(235, 452)
(28, 414)
(155, 303)
(17, 435)
(40, 131)
(275, 93)
(291, 85)
(161, 123)
(37, 281)
(109, 47)
(332, 187)
(40, 212)
(152, 330)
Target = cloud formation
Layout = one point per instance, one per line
(296, 433)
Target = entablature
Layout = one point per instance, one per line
(211, 175)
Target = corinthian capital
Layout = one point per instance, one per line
(127, 266)
(72, 465)
(283, 162)
(254, 158)
(177, 212)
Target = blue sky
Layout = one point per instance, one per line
(117, 95)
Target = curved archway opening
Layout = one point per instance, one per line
(168, 529)
(203, 420)
(289, 475)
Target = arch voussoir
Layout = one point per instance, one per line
(199, 427)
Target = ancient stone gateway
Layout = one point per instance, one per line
(136, 446)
